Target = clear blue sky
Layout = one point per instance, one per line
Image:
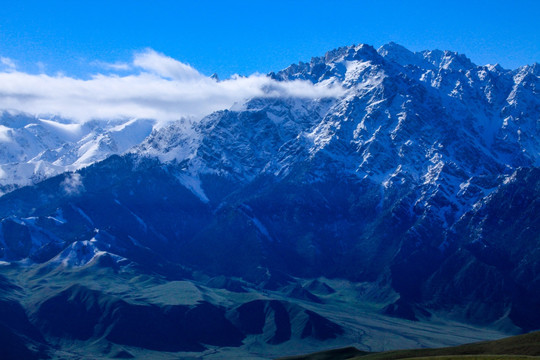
(259, 36)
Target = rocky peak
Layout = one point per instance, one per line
(333, 65)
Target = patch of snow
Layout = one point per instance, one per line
(5, 133)
(193, 183)
(140, 221)
(83, 214)
(263, 230)
(510, 179)
(65, 131)
(81, 253)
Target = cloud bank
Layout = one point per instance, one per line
(156, 86)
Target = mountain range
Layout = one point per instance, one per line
(407, 205)
(33, 149)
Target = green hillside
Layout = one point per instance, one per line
(516, 347)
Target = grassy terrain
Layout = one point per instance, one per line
(516, 347)
(103, 286)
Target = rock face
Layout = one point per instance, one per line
(422, 177)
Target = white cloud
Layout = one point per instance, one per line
(72, 184)
(165, 66)
(41, 67)
(8, 63)
(117, 66)
(164, 89)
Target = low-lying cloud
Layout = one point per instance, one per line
(72, 184)
(155, 86)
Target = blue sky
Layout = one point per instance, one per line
(244, 37)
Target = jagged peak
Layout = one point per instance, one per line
(448, 60)
(403, 56)
(354, 52)
(533, 68)
(426, 59)
(494, 67)
(393, 47)
(316, 69)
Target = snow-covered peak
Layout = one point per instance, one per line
(81, 253)
(441, 123)
(427, 59)
(533, 69)
(68, 132)
(403, 56)
(362, 52)
(454, 61)
(175, 142)
(32, 148)
(395, 102)
(333, 66)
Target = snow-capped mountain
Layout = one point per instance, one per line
(431, 121)
(33, 149)
(419, 184)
